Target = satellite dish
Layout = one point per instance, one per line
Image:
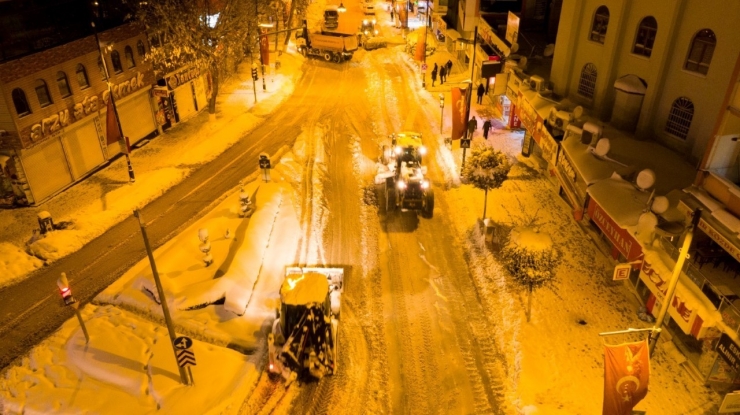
(647, 221)
(645, 179)
(523, 62)
(577, 112)
(549, 50)
(602, 147)
(660, 204)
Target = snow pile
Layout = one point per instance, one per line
(529, 239)
(14, 263)
(307, 288)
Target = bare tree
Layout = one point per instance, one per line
(207, 34)
(486, 169)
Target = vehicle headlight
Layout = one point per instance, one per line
(422, 150)
(364, 22)
(425, 184)
(366, 33)
(398, 150)
(401, 184)
(374, 21)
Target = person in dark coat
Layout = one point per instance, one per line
(486, 128)
(481, 91)
(434, 74)
(449, 66)
(435, 67)
(442, 75)
(472, 126)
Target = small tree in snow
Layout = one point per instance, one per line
(487, 169)
(532, 260)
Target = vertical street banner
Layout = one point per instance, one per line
(626, 373)
(420, 49)
(458, 112)
(264, 46)
(403, 15)
(113, 135)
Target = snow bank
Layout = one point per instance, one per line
(530, 239)
(14, 263)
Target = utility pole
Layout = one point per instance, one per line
(469, 93)
(682, 255)
(162, 299)
(131, 176)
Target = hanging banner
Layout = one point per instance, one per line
(420, 49)
(458, 112)
(264, 46)
(626, 374)
(514, 121)
(113, 134)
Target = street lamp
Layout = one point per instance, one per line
(441, 111)
(341, 8)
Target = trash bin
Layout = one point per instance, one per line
(46, 223)
(488, 229)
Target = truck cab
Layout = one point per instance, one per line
(331, 17)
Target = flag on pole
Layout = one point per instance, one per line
(626, 373)
(458, 112)
(113, 134)
(420, 49)
(264, 47)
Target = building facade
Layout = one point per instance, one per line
(53, 106)
(654, 68)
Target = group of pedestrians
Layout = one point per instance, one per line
(473, 125)
(443, 72)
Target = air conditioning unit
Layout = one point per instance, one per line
(537, 83)
(560, 119)
(591, 133)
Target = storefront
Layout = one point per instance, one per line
(533, 110)
(137, 117)
(189, 92)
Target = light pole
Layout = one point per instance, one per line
(468, 96)
(424, 58)
(131, 176)
(441, 111)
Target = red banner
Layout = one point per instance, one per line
(264, 46)
(113, 134)
(458, 112)
(620, 238)
(626, 373)
(420, 50)
(514, 121)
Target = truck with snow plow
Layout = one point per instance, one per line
(303, 342)
(331, 46)
(403, 175)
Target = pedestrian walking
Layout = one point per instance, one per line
(472, 126)
(449, 66)
(481, 90)
(435, 67)
(442, 75)
(434, 74)
(391, 14)
(486, 128)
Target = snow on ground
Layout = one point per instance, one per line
(106, 198)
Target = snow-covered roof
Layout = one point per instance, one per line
(540, 104)
(589, 167)
(620, 199)
(310, 287)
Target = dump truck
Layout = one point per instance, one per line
(303, 342)
(404, 177)
(331, 46)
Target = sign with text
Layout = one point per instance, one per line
(621, 238)
(622, 272)
(726, 244)
(729, 351)
(458, 112)
(512, 28)
(730, 404)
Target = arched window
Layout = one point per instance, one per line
(140, 49)
(700, 54)
(129, 55)
(42, 92)
(101, 68)
(587, 83)
(82, 76)
(115, 58)
(20, 102)
(645, 37)
(679, 120)
(601, 21)
(63, 85)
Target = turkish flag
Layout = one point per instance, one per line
(626, 373)
(458, 112)
(113, 134)
(420, 49)
(264, 47)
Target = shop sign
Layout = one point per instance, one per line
(549, 147)
(682, 315)
(485, 32)
(729, 351)
(621, 239)
(622, 272)
(566, 169)
(173, 81)
(528, 115)
(731, 403)
(160, 92)
(514, 121)
(124, 88)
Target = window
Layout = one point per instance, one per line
(42, 92)
(115, 58)
(601, 21)
(679, 120)
(700, 54)
(587, 84)
(82, 76)
(101, 68)
(20, 102)
(645, 37)
(129, 55)
(63, 85)
(140, 49)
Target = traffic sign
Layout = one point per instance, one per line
(264, 162)
(183, 343)
(424, 67)
(185, 358)
(464, 143)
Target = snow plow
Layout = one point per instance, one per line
(406, 186)
(303, 342)
(331, 46)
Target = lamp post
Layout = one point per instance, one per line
(424, 58)
(341, 8)
(109, 47)
(441, 111)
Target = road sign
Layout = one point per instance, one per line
(264, 162)
(185, 358)
(424, 67)
(464, 143)
(183, 343)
